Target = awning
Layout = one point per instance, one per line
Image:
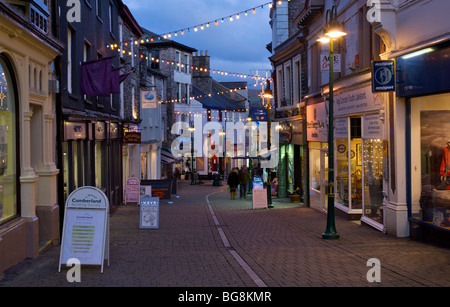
(167, 160)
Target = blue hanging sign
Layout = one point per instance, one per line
(383, 76)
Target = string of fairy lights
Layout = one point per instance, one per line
(127, 48)
(181, 100)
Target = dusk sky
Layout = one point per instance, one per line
(237, 46)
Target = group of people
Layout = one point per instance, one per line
(238, 177)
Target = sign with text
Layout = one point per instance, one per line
(86, 227)
(258, 183)
(383, 76)
(325, 62)
(149, 100)
(132, 138)
(160, 188)
(149, 212)
(258, 114)
(259, 198)
(132, 190)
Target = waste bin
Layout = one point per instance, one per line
(216, 179)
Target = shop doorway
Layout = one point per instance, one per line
(318, 178)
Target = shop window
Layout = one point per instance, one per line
(373, 179)
(355, 159)
(8, 145)
(430, 159)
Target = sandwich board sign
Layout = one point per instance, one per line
(259, 198)
(86, 228)
(149, 212)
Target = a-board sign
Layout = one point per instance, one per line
(259, 198)
(149, 212)
(132, 190)
(258, 183)
(86, 227)
(160, 188)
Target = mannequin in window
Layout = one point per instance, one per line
(445, 169)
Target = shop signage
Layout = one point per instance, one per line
(373, 127)
(356, 101)
(149, 99)
(383, 76)
(341, 128)
(259, 198)
(258, 183)
(149, 212)
(160, 188)
(258, 114)
(132, 138)
(132, 190)
(316, 125)
(325, 62)
(86, 227)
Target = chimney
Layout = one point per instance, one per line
(201, 78)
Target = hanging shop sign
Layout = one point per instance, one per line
(325, 62)
(132, 138)
(86, 228)
(383, 76)
(149, 99)
(149, 212)
(258, 114)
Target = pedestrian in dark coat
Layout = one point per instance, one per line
(233, 182)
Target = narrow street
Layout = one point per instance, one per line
(206, 240)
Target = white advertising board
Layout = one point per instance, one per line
(86, 228)
(149, 212)
(259, 198)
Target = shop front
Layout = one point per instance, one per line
(317, 136)
(426, 91)
(361, 155)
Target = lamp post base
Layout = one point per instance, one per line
(330, 236)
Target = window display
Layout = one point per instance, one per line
(8, 166)
(373, 179)
(433, 192)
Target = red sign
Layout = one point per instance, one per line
(132, 190)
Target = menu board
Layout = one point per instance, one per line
(132, 190)
(160, 188)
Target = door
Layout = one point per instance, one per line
(318, 179)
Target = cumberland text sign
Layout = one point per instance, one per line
(86, 228)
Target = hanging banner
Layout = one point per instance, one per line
(149, 99)
(86, 228)
(325, 62)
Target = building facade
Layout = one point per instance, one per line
(289, 64)
(90, 126)
(29, 207)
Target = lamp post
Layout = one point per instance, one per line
(268, 94)
(192, 129)
(333, 30)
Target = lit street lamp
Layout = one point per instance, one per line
(268, 95)
(333, 30)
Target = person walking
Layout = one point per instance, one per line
(233, 182)
(243, 181)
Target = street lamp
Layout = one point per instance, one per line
(192, 129)
(268, 95)
(333, 30)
